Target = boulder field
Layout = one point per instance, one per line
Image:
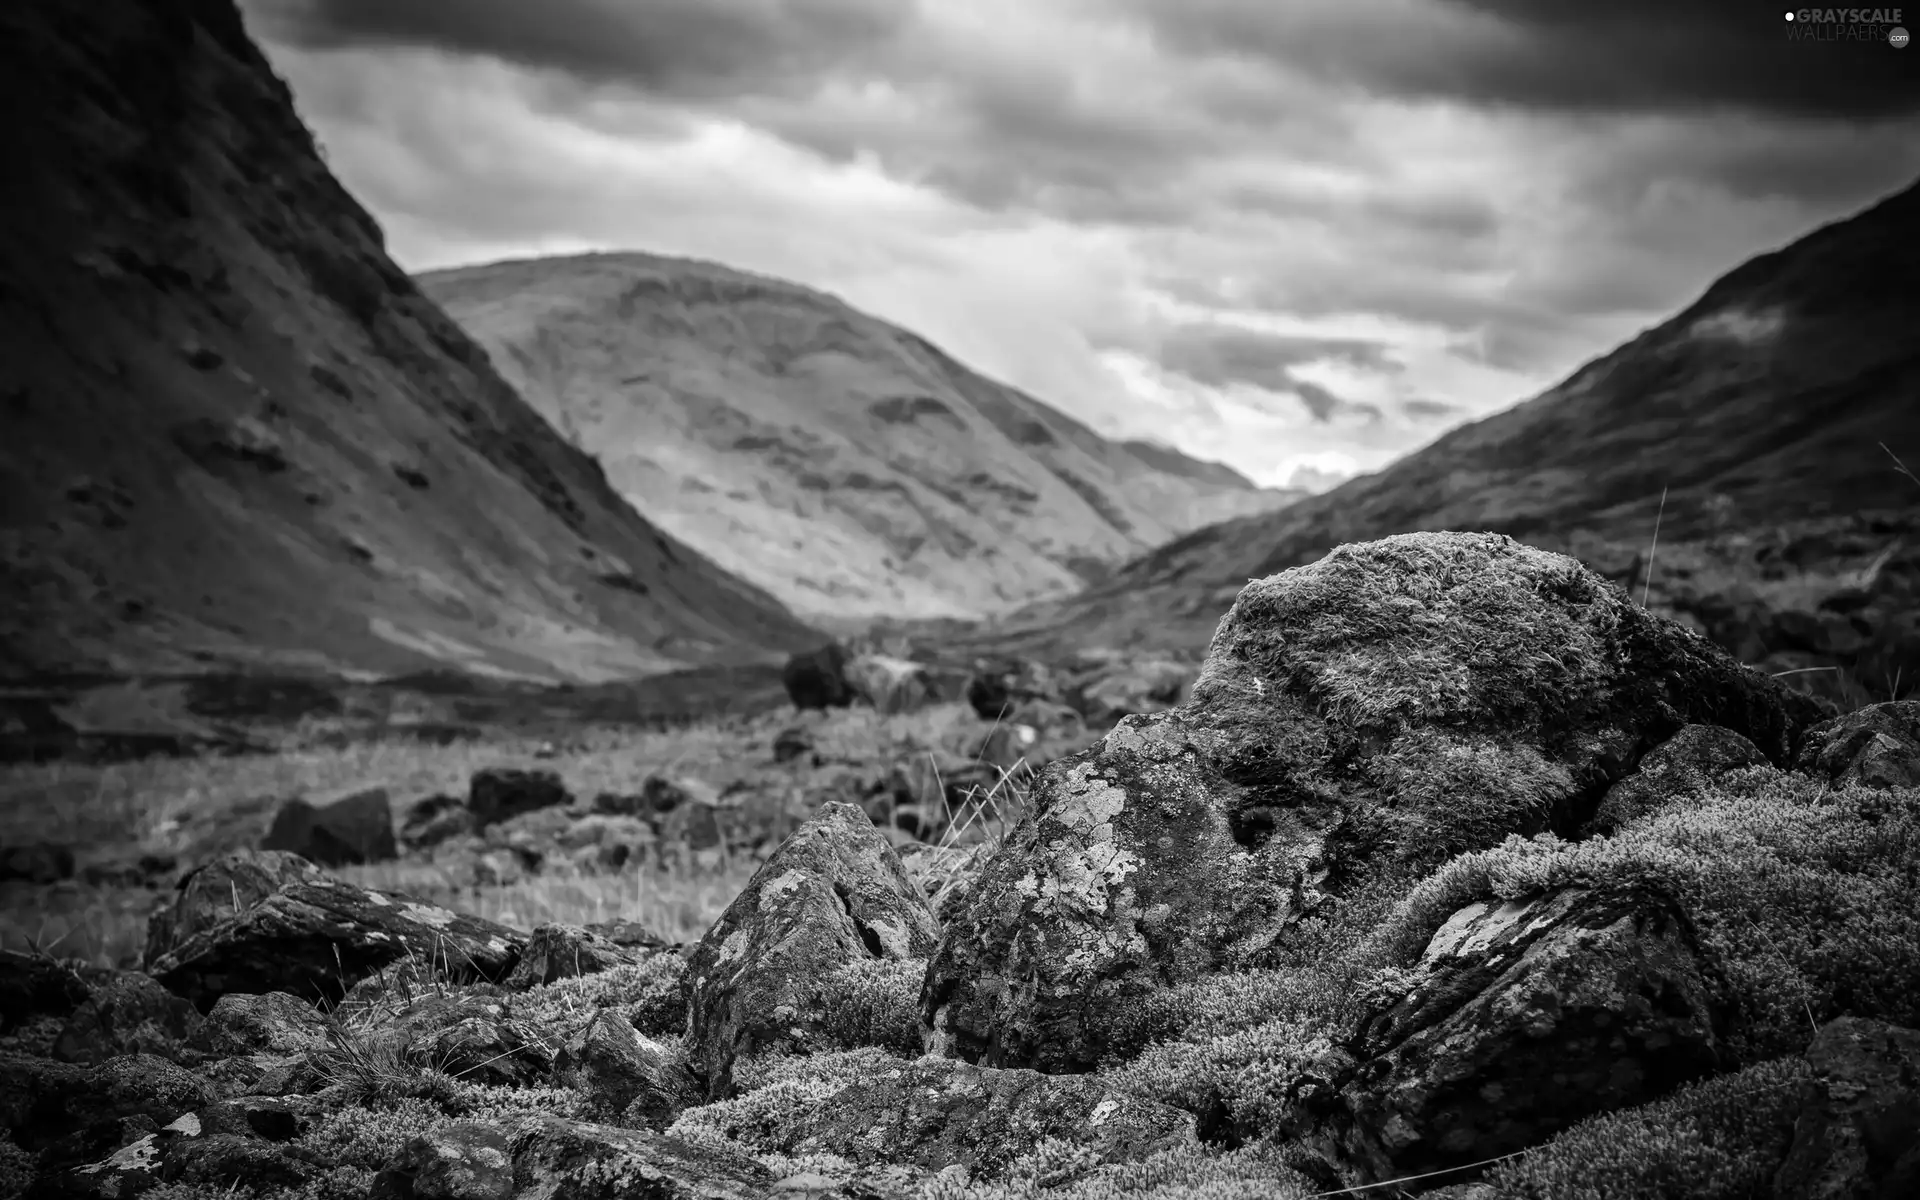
(1457, 872)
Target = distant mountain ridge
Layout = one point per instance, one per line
(1765, 401)
(846, 465)
(238, 435)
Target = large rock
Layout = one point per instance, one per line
(273, 1023)
(1367, 716)
(1521, 1019)
(434, 819)
(996, 688)
(818, 678)
(556, 1159)
(890, 685)
(1684, 765)
(1858, 1133)
(625, 1074)
(1878, 746)
(42, 1101)
(469, 1035)
(499, 794)
(555, 951)
(832, 894)
(354, 827)
(129, 1014)
(939, 1113)
(311, 935)
(1134, 688)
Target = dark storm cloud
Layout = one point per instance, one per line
(681, 48)
(1325, 406)
(1621, 56)
(1430, 409)
(1220, 355)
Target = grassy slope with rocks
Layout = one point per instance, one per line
(1797, 884)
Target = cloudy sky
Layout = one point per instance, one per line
(1293, 235)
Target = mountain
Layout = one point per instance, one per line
(848, 466)
(1763, 404)
(238, 436)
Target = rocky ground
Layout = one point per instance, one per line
(1453, 872)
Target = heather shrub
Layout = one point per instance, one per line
(1719, 1139)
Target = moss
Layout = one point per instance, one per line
(775, 1089)
(875, 1002)
(370, 1138)
(1250, 1077)
(648, 993)
(1720, 1139)
(1056, 1172)
(16, 1168)
(1807, 897)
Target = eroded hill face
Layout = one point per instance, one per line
(238, 435)
(1760, 409)
(842, 463)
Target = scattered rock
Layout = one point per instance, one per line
(818, 679)
(1683, 765)
(469, 1035)
(501, 793)
(937, 1113)
(1381, 710)
(793, 742)
(1128, 689)
(571, 1160)
(562, 952)
(39, 985)
(1858, 1132)
(996, 689)
(833, 893)
(1521, 1019)
(36, 862)
(310, 936)
(626, 1075)
(353, 827)
(1877, 746)
(890, 685)
(435, 819)
(129, 1014)
(272, 1023)
(42, 1101)
(465, 1160)
(631, 935)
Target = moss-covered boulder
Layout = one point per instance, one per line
(1357, 722)
(1683, 766)
(1878, 745)
(1520, 1019)
(833, 895)
(1858, 1129)
(932, 1114)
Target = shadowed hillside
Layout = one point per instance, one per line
(846, 465)
(1760, 410)
(239, 436)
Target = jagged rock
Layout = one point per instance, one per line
(435, 819)
(465, 1160)
(273, 1023)
(500, 793)
(1379, 711)
(555, 1159)
(936, 1113)
(353, 827)
(996, 689)
(793, 742)
(221, 889)
(310, 936)
(129, 1014)
(39, 985)
(1126, 689)
(818, 678)
(833, 893)
(1521, 1019)
(1683, 765)
(43, 1101)
(625, 1074)
(1878, 746)
(1858, 1133)
(562, 952)
(36, 862)
(890, 685)
(470, 1036)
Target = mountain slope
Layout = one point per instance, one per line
(1764, 402)
(848, 466)
(237, 435)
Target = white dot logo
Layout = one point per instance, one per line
(1789, 16)
(1898, 38)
